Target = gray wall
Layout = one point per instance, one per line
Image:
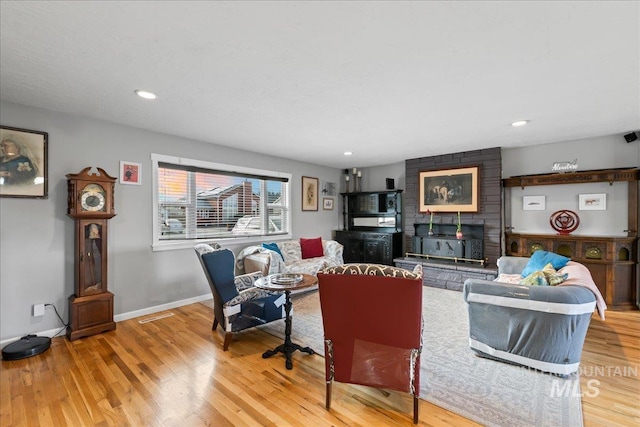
(604, 152)
(37, 238)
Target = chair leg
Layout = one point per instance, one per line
(227, 340)
(328, 395)
(416, 406)
(215, 324)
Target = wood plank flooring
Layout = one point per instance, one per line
(173, 372)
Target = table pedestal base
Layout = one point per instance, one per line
(288, 347)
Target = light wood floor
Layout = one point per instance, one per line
(173, 372)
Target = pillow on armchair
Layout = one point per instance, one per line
(540, 259)
(548, 276)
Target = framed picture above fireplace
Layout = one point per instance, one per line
(449, 190)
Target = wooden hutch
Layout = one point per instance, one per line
(613, 261)
(372, 226)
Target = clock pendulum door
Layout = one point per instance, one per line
(91, 307)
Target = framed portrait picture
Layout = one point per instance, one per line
(592, 202)
(327, 204)
(130, 173)
(449, 190)
(533, 203)
(23, 163)
(309, 193)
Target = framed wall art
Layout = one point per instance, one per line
(130, 173)
(592, 202)
(449, 190)
(23, 163)
(533, 203)
(327, 204)
(309, 193)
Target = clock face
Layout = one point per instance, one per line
(93, 198)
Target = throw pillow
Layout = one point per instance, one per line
(541, 258)
(274, 247)
(311, 248)
(548, 276)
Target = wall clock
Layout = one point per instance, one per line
(90, 204)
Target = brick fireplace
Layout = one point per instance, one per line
(446, 273)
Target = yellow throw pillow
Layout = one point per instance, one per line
(548, 276)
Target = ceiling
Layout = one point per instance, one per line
(309, 80)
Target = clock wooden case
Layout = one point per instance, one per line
(90, 203)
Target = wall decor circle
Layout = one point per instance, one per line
(564, 221)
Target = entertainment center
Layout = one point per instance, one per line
(612, 260)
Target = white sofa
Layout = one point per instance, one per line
(258, 258)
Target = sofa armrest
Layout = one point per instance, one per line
(333, 250)
(511, 264)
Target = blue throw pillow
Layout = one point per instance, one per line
(541, 258)
(274, 247)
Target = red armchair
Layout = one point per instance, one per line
(372, 318)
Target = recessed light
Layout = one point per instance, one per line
(348, 153)
(146, 95)
(519, 123)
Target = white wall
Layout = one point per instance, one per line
(37, 238)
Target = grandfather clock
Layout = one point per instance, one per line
(90, 204)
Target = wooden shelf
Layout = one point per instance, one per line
(602, 175)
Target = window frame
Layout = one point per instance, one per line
(163, 245)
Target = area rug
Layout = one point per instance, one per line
(452, 377)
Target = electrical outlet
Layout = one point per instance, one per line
(38, 310)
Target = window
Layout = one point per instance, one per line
(196, 200)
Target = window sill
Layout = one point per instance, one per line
(171, 245)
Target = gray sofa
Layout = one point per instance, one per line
(541, 327)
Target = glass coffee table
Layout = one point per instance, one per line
(287, 283)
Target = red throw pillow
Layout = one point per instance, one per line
(311, 248)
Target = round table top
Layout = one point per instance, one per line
(286, 282)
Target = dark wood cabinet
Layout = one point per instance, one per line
(372, 227)
(370, 246)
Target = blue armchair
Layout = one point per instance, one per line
(238, 304)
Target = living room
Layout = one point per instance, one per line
(145, 281)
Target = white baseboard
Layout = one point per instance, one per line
(120, 317)
(162, 307)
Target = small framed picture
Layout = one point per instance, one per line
(130, 173)
(309, 193)
(533, 203)
(327, 204)
(592, 202)
(23, 163)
